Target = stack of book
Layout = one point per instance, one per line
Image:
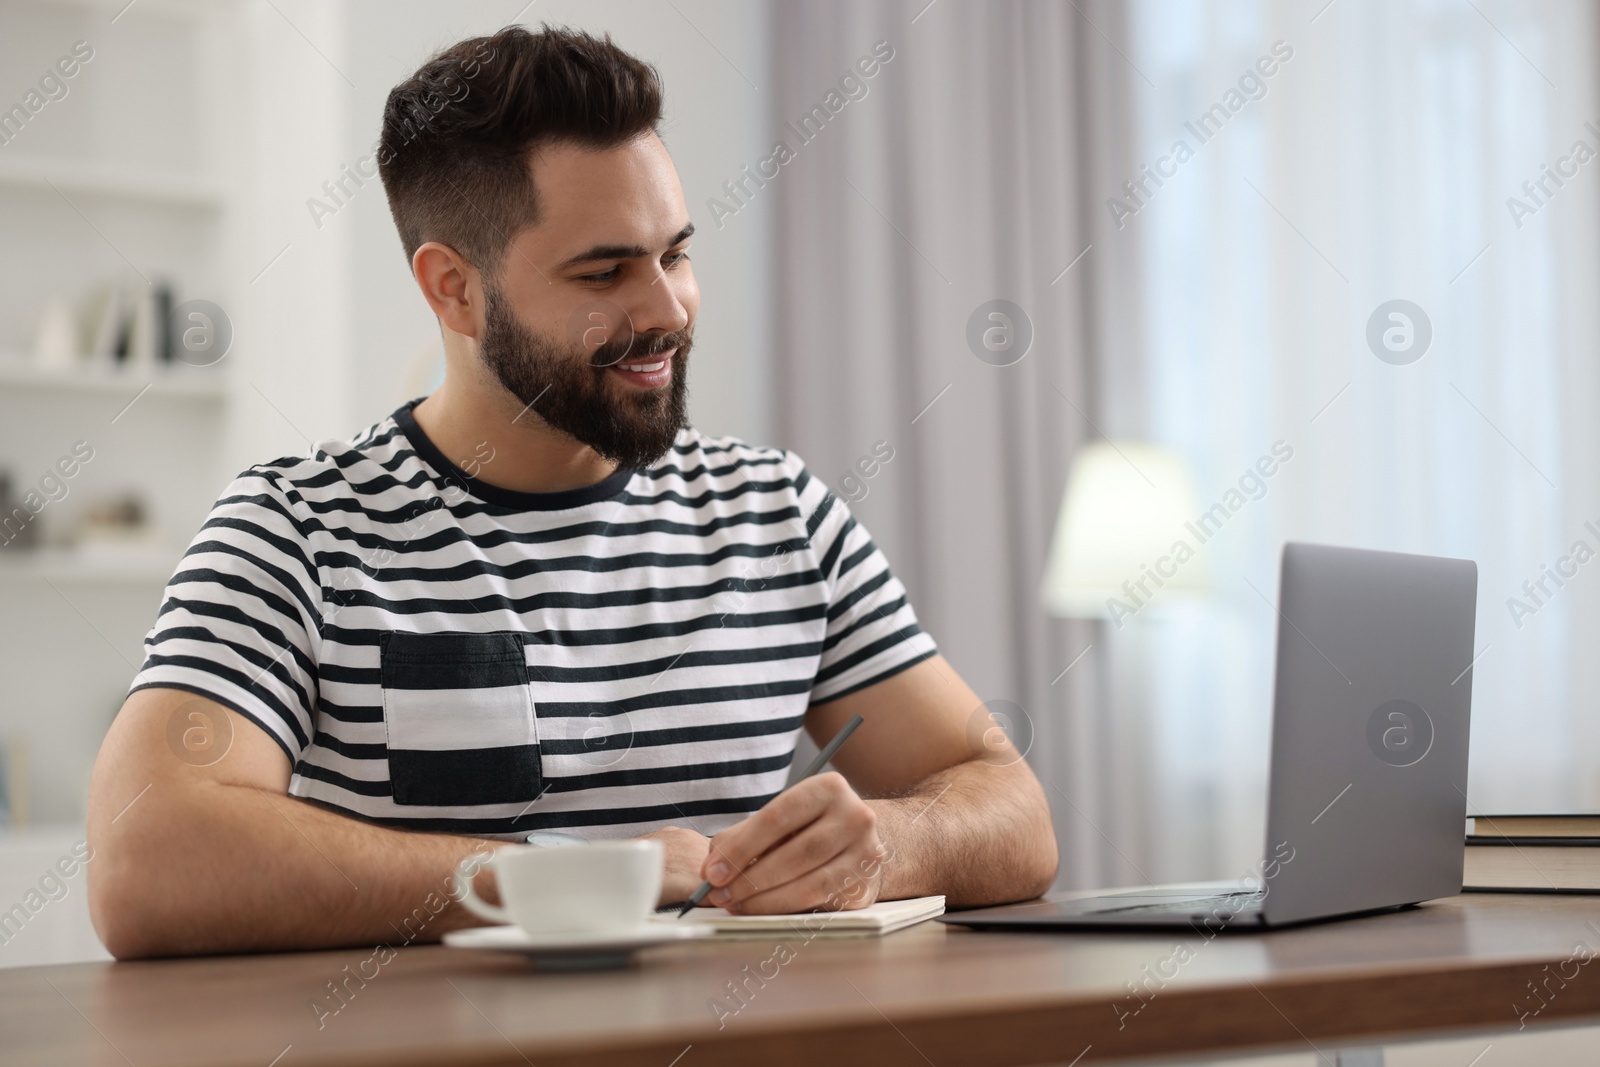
(1533, 854)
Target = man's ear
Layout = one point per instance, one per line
(451, 286)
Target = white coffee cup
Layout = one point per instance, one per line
(600, 887)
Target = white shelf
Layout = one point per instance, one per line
(127, 183)
(66, 565)
(199, 383)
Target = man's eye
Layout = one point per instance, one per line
(605, 276)
(672, 259)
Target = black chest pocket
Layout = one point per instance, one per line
(459, 719)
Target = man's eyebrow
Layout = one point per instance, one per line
(622, 251)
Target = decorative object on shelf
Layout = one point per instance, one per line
(55, 342)
(116, 521)
(131, 323)
(115, 534)
(105, 316)
(17, 530)
(148, 328)
(161, 307)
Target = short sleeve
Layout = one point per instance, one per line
(872, 632)
(240, 619)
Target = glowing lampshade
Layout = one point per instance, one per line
(1118, 535)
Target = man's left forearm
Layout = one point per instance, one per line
(978, 833)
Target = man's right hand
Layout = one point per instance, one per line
(685, 852)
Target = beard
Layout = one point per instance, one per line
(570, 388)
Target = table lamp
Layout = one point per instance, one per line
(1121, 541)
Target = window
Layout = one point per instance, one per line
(1382, 158)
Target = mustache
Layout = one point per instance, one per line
(615, 351)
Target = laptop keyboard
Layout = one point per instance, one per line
(1236, 902)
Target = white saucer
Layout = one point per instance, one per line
(576, 951)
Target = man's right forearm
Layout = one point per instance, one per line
(212, 867)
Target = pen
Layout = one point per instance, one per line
(816, 765)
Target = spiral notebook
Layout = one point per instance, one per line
(875, 920)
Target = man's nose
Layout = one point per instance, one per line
(659, 307)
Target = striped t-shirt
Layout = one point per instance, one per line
(437, 653)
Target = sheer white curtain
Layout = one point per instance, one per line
(1351, 155)
(1374, 163)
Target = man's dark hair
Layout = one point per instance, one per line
(458, 134)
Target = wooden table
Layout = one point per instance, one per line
(931, 994)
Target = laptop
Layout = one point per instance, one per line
(1367, 790)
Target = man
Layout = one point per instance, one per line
(536, 600)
